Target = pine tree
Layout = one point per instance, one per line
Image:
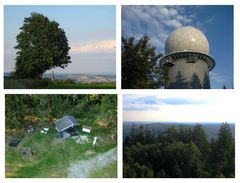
(206, 82)
(200, 139)
(223, 154)
(180, 82)
(170, 135)
(195, 82)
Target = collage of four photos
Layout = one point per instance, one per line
(168, 94)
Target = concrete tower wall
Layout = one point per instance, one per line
(188, 75)
(187, 57)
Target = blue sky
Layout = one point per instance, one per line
(180, 107)
(91, 32)
(159, 21)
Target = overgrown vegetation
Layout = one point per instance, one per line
(52, 157)
(179, 153)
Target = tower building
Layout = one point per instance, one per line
(187, 59)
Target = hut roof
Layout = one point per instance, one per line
(65, 123)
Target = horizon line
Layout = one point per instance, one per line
(74, 73)
(178, 122)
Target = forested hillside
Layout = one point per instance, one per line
(175, 153)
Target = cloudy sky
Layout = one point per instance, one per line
(91, 32)
(215, 21)
(182, 107)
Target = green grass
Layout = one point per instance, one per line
(83, 86)
(109, 171)
(25, 83)
(50, 159)
(10, 83)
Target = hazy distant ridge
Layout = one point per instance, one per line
(211, 129)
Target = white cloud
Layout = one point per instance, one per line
(187, 20)
(173, 23)
(173, 12)
(180, 17)
(101, 46)
(155, 21)
(210, 20)
(164, 11)
(218, 108)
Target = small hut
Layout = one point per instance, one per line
(67, 124)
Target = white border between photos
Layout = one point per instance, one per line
(120, 92)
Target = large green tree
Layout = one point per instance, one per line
(140, 68)
(222, 159)
(41, 45)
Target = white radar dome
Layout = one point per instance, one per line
(187, 39)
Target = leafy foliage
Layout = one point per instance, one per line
(140, 67)
(175, 153)
(41, 46)
(23, 110)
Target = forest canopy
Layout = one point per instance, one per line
(179, 153)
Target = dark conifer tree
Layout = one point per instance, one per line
(225, 152)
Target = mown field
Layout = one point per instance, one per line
(52, 157)
(10, 83)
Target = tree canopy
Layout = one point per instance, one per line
(41, 45)
(178, 153)
(140, 68)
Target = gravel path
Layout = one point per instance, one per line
(83, 168)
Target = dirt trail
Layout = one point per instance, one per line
(83, 168)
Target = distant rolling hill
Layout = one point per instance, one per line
(211, 129)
